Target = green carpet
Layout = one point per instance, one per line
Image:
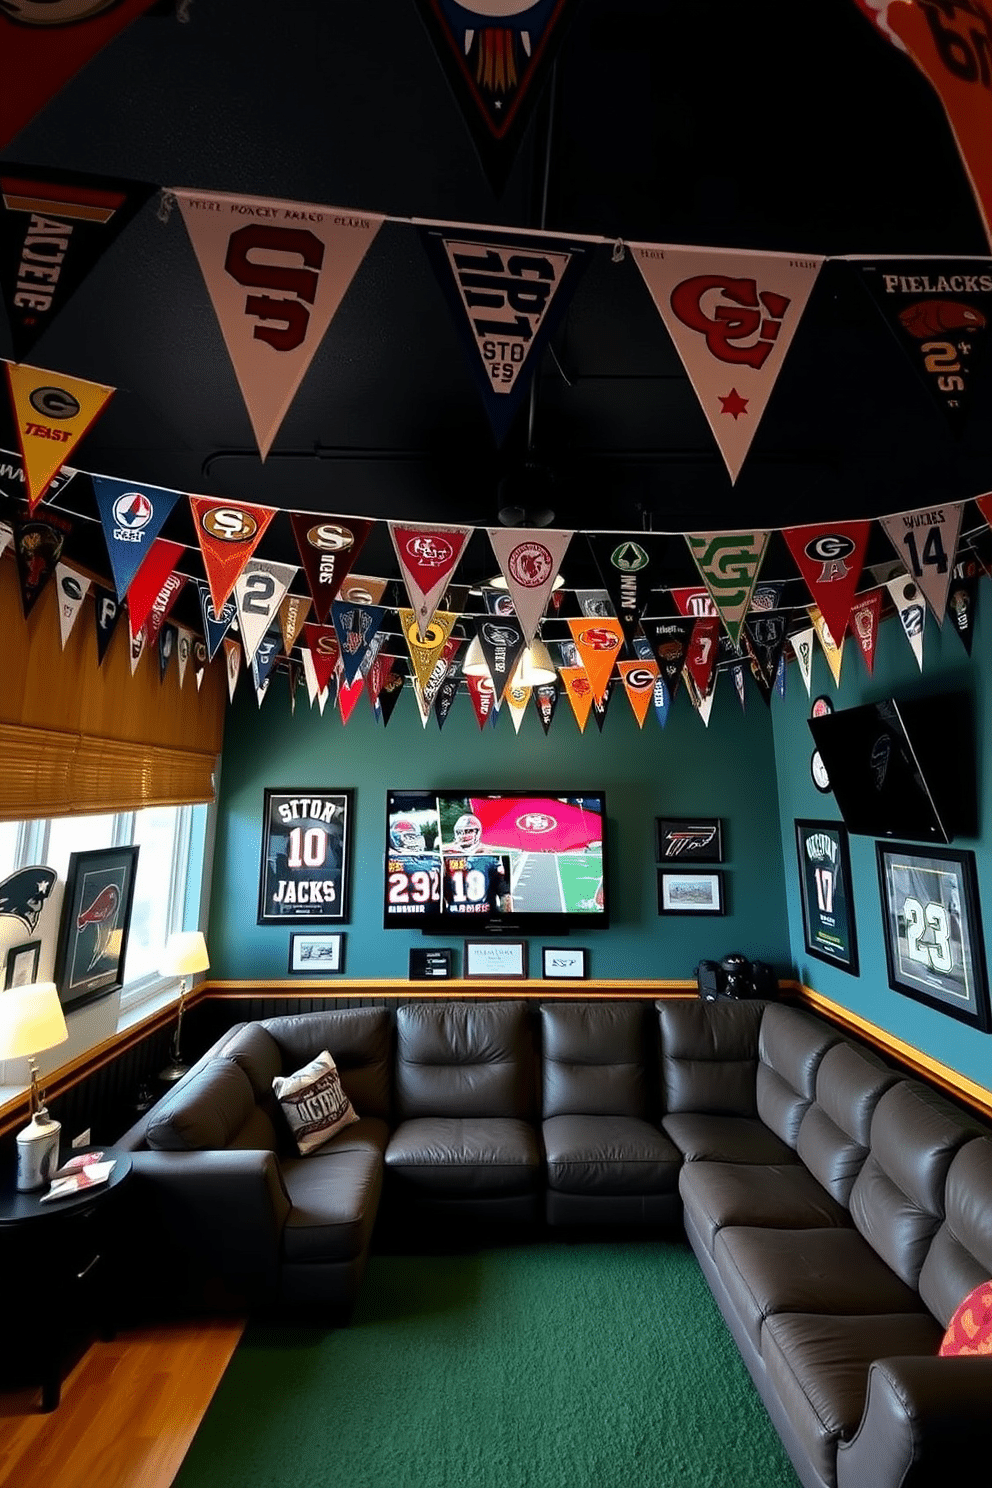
(551, 1365)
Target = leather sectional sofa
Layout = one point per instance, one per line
(839, 1210)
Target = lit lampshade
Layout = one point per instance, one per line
(31, 1020)
(500, 583)
(474, 664)
(535, 666)
(184, 955)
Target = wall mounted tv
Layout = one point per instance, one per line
(462, 862)
(902, 769)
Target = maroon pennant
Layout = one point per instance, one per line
(328, 548)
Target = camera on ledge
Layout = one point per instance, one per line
(736, 978)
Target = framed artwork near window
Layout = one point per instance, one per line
(96, 920)
(825, 893)
(934, 947)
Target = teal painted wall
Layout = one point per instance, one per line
(946, 668)
(686, 769)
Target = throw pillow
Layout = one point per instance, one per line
(970, 1329)
(314, 1103)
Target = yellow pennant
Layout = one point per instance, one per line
(53, 412)
(832, 650)
(424, 652)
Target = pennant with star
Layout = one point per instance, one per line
(732, 315)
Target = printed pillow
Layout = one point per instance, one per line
(970, 1329)
(314, 1103)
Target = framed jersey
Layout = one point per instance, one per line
(304, 859)
(934, 948)
(825, 892)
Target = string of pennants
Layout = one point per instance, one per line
(732, 621)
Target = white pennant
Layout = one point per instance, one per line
(529, 559)
(927, 543)
(802, 645)
(72, 588)
(184, 645)
(908, 600)
(259, 590)
(137, 649)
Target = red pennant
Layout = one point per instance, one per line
(483, 695)
(864, 625)
(830, 559)
(428, 557)
(146, 588)
(348, 696)
(702, 653)
(228, 533)
(323, 645)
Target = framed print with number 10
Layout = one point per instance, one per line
(825, 889)
(303, 874)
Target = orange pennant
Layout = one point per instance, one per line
(639, 678)
(579, 690)
(599, 643)
(53, 412)
(228, 533)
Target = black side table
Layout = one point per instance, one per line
(54, 1259)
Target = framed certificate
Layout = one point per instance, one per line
(496, 958)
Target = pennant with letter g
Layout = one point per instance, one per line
(52, 412)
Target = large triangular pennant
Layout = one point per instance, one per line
(927, 542)
(579, 692)
(132, 516)
(830, 559)
(668, 641)
(546, 696)
(44, 45)
(729, 563)
(599, 643)
(276, 273)
(507, 293)
(54, 227)
(962, 600)
(496, 57)
(322, 643)
(155, 583)
(13, 483)
(912, 612)
(215, 624)
(427, 556)
(259, 591)
(328, 546)
(482, 695)
(639, 678)
(52, 412)
(38, 544)
(627, 566)
(939, 310)
(529, 560)
(502, 642)
(228, 533)
(72, 587)
(107, 610)
(356, 627)
(863, 625)
(950, 42)
(832, 648)
(732, 315)
(764, 642)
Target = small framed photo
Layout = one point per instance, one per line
(312, 954)
(934, 948)
(690, 840)
(22, 964)
(564, 962)
(96, 919)
(689, 893)
(825, 893)
(496, 958)
(430, 965)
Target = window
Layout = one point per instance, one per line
(166, 891)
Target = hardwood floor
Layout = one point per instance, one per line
(128, 1413)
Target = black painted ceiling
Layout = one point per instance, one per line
(768, 125)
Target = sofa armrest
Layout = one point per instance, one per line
(925, 1418)
(227, 1207)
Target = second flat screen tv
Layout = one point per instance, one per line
(460, 862)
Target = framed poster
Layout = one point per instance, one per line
(315, 955)
(496, 958)
(303, 873)
(696, 840)
(825, 892)
(934, 948)
(564, 962)
(22, 964)
(689, 893)
(96, 918)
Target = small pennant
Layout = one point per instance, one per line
(502, 642)
(184, 650)
(802, 645)
(702, 654)
(232, 660)
(153, 584)
(668, 641)
(863, 625)
(962, 601)
(639, 679)
(428, 557)
(215, 626)
(483, 697)
(546, 701)
(579, 690)
(107, 610)
(38, 544)
(833, 649)
(322, 643)
(138, 643)
(599, 644)
(293, 614)
(72, 588)
(764, 642)
(356, 626)
(258, 593)
(912, 611)
(168, 637)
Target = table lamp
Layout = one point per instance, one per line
(31, 1020)
(185, 954)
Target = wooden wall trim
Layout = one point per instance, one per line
(400, 989)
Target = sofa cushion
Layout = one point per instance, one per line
(360, 1041)
(314, 1102)
(256, 1052)
(818, 1367)
(779, 1196)
(709, 1055)
(455, 1155)
(960, 1254)
(791, 1045)
(609, 1155)
(465, 1059)
(594, 1059)
(743, 1139)
(335, 1197)
(805, 1270)
(207, 1111)
(835, 1132)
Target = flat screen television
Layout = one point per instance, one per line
(462, 862)
(902, 769)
